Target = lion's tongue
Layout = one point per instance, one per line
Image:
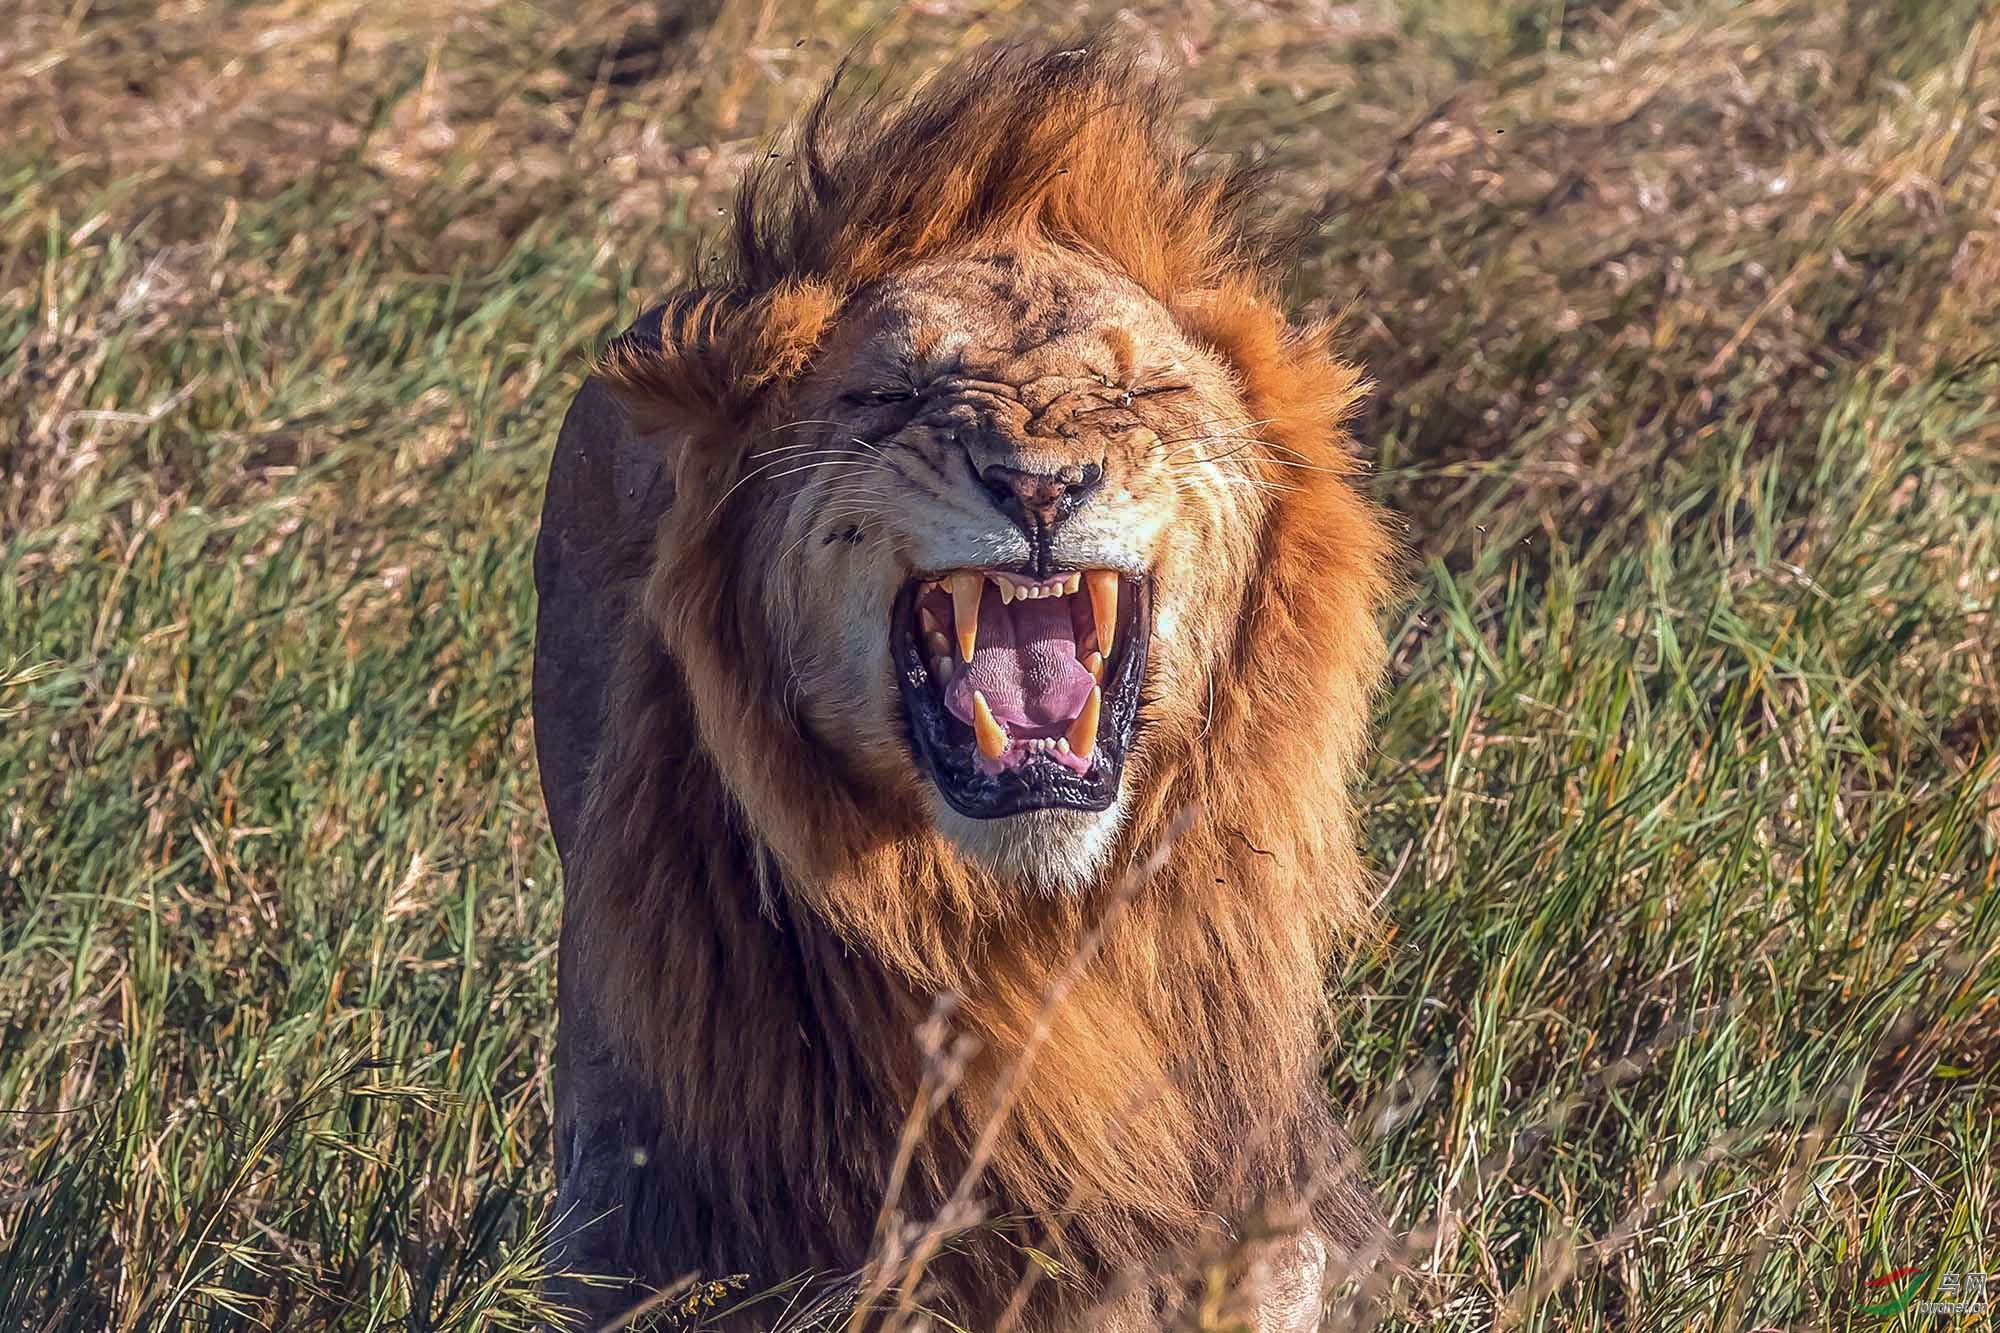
(1025, 664)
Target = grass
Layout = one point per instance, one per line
(1686, 317)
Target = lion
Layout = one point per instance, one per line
(958, 614)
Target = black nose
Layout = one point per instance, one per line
(1038, 501)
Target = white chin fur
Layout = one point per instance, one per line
(1042, 851)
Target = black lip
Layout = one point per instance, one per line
(942, 745)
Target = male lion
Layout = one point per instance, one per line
(957, 590)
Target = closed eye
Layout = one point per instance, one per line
(878, 397)
(1126, 397)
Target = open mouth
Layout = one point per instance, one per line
(1022, 692)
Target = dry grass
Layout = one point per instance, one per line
(1685, 319)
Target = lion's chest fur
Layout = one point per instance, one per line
(778, 1061)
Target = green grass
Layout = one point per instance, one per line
(1686, 318)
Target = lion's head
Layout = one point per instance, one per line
(993, 437)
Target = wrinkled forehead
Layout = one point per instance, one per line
(1010, 316)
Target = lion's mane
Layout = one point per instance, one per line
(764, 938)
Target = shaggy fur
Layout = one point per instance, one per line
(762, 905)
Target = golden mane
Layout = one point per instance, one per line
(727, 864)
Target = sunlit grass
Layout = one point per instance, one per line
(1686, 810)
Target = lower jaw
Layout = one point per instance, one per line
(1049, 851)
(1045, 749)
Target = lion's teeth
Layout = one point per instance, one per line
(941, 667)
(936, 644)
(986, 729)
(1007, 592)
(928, 622)
(1094, 663)
(965, 589)
(1071, 584)
(1082, 736)
(1103, 584)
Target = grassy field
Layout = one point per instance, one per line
(1686, 320)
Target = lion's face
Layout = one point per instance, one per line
(1016, 528)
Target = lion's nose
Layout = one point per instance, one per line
(1038, 501)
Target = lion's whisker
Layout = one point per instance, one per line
(1204, 431)
(1219, 457)
(801, 421)
(807, 446)
(851, 488)
(1307, 467)
(835, 462)
(835, 455)
(1296, 462)
(796, 447)
(817, 451)
(803, 467)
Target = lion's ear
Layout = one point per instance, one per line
(717, 355)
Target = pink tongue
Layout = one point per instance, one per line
(1025, 664)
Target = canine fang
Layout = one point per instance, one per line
(992, 737)
(1083, 732)
(1103, 585)
(966, 587)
